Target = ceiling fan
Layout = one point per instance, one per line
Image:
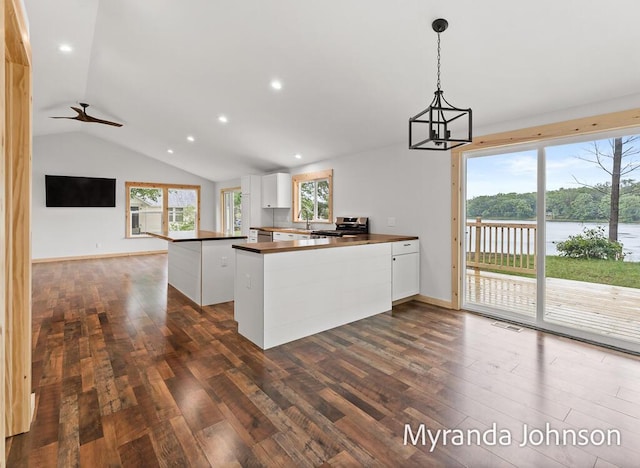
(84, 117)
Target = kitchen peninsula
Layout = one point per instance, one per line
(201, 264)
(288, 290)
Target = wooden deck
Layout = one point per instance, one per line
(598, 308)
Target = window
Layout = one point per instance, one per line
(231, 210)
(176, 214)
(313, 197)
(161, 208)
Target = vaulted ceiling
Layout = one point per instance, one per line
(352, 71)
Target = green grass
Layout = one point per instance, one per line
(588, 270)
(594, 271)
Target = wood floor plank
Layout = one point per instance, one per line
(190, 447)
(90, 422)
(138, 452)
(128, 372)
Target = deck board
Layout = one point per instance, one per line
(612, 311)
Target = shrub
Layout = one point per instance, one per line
(592, 243)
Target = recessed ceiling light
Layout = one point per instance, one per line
(276, 84)
(65, 48)
(191, 139)
(170, 151)
(223, 119)
(298, 156)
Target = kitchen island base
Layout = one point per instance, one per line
(286, 296)
(201, 264)
(202, 270)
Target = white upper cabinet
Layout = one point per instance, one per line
(251, 183)
(251, 207)
(276, 190)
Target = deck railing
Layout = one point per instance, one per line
(496, 245)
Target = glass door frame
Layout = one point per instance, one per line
(539, 322)
(466, 155)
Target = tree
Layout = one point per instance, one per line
(617, 162)
(146, 193)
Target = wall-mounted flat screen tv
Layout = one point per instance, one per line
(71, 191)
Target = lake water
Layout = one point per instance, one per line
(557, 231)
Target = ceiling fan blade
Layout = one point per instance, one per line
(106, 122)
(84, 117)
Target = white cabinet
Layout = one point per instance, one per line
(405, 269)
(276, 190)
(283, 236)
(251, 187)
(287, 236)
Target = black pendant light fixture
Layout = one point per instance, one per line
(440, 126)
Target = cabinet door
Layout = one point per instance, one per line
(406, 275)
(276, 191)
(245, 205)
(269, 191)
(245, 184)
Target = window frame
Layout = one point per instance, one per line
(223, 217)
(296, 180)
(165, 205)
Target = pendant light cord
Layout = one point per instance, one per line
(438, 62)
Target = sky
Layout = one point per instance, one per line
(516, 172)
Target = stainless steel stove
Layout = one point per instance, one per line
(345, 227)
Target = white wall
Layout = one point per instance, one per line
(70, 232)
(393, 182)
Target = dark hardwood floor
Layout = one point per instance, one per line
(127, 372)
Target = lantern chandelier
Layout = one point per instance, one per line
(440, 126)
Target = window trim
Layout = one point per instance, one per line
(295, 190)
(222, 206)
(165, 205)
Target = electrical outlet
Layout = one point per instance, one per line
(224, 261)
(98, 245)
(391, 222)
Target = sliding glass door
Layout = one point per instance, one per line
(500, 234)
(552, 237)
(592, 274)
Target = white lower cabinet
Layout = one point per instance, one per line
(287, 236)
(283, 236)
(405, 269)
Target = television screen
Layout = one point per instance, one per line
(79, 191)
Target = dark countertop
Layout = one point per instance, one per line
(185, 236)
(328, 242)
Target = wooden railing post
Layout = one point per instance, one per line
(476, 255)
